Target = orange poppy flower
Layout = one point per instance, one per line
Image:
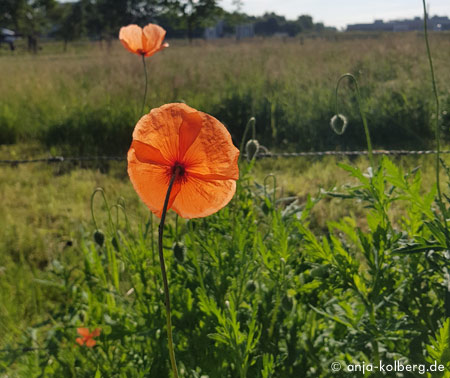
(87, 337)
(176, 135)
(146, 42)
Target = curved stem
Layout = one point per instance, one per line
(251, 123)
(100, 190)
(363, 117)
(164, 274)
(274, 187)
(152, 241)
(145, 92)
(436, 126)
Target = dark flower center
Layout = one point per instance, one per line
(180, 170)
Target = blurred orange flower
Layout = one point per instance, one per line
(87, 337)
(146, 42)
(176, 136)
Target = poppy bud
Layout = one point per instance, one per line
(322, 271)
(179, 251)
(115, 243)
(265, 208)
(99, 237)
(338, 123)
(251, 286)
(252, 149)
(287, 303)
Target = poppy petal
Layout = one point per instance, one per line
(148, 154)
(83, 332)
(189, 130)
(80, 341)
(212, 155)
(161, 128)
(198, 198)
(96, 332)
(173, 135)
(151, 183)
(152, 38)
(131, 38)
(90, 343)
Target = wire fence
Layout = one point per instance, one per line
(264, 154)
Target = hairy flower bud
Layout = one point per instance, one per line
(338, 123)
(99, 237)
(252, 149)
(179, 251)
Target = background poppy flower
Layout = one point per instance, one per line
(145, 42)
(87, 337)
(176, 135)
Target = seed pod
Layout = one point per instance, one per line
(99, 237)
(115, 243)
(338, 123)
(251, 286)
(322, 271)
(252, 149)
(179, 251)
(287, 303)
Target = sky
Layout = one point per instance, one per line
(339, 13)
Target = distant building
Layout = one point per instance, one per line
(377, 25)
(8, 36)
(215, 31)
(245, 31)
(281, 35)
(434, 23)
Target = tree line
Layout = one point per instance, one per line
(102, 19)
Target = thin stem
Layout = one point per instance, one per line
(437, 132)
(164, 274)
(152, 241)
(363, 117)
(251, 123)
(145, 92)
(100, 190)
(436, 126)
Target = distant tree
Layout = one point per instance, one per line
(144, 11)
(10, 13)
(194, 14)
(269, 24)
(292, 28)
(238, 4)
(27, 17)
(319, 27)
(73, 23)
(106, 17)
(306, 23)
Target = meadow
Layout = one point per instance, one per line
(315, 260)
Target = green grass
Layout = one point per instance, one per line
(87, 101)
(331, 265)
(260, 290)
(47, 216)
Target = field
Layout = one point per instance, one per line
(331, 261)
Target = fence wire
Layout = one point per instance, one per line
(260, 155)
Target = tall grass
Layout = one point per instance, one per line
(257, 292)
(86, 102)
(300, 270)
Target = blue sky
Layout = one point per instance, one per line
(339, 13)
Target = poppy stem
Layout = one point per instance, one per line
(437, 130)
(164, 274)
(146, 80)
